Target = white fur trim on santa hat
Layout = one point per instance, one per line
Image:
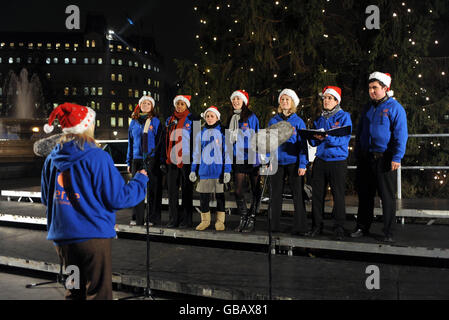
(146, 98)
(88, 120)
(182, 98)
(382, 77)
(240, 95)
(214, 110)
(292, 94)
(334, 93)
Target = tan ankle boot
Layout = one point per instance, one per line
(219, 225)
(205, 221)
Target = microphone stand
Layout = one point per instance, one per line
(146, 164)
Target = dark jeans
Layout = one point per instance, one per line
(276, 188)
(93, 258)
(334, 173)
(374, 174)
(179, 177)
(155, 193)
(205, 199)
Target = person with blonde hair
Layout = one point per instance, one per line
(82, 189)
(292, 162)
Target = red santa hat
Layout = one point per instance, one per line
(292, 94)
(184, 98)
(146, 98)
(213, 109)
(73, 118)
(385, 78)
(242, 95)
(334, 91)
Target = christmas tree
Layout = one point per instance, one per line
(264, 46)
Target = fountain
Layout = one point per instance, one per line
(21, 127)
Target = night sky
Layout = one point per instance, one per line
(170, 22)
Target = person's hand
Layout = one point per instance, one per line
(395, 165)
(128, 168)
(192, 176)
(226, 177)
(319, 137)
(301, 172)
(144, 172)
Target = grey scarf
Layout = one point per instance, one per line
(329, 113)
(234, 125)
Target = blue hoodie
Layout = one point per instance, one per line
(294, 150)
(209, 154)
(332, 148)
(82, 190)
(135, 134)
(382, 128)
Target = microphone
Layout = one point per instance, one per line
(174, 122)
(264, 139)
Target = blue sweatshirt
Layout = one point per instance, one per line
(241, 147)
(382, 128)
(82, 190)
(135, 135)
(209, 154)
(332, 148)
(294, 150)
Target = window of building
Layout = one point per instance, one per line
(39, 45)
(98, 105)
(75, 46)
(120, 78)
(120, 62)
(149, 81)
(100, 61)
(100, 91)
(112, 106)
(10, 60)
(20, 44)
(120, 122)
(136, 64)
(112, 61)
(87, 43)
(67, 46)
(11, 45)
(112, 76)
(29, 60)
(18, 60)
(73, 60)
(92, 105)
(112, 92)
(48, 61)
(1, 91)
(30, 45)
(130, 63)
(136, 93)
(66, 91)
(48, 46)
(48, 75)
(86, 91)
(120, 106)
(98, 123)
(130, 107)
(55, 60)
(92, 60)
(93, 43)
(66, 60)
(57, 46)
(113, 122)
(93, 91)
(130, 93)
(119, 47)
(74, 93)
(86, 60)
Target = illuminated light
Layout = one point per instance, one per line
(195, 8)
(115, 133)
(325, 35)
(215, 38)
(436, 41)
(443, 73)
(394, 15)
(251, 69)
(35, 129)
(409, 10)
(218, 8)
(419, 75)
(197, 36)
(395, 55)
(275, 75)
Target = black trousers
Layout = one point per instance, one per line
(179, 177)
(93, 259)
(205, 199)
(276, 188)
(154, 190)
(374, 174)
(334, 174)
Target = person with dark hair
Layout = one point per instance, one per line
(210, 165)
(330, 165)
(380, 145)
(292, 162)
(242, 125)
(82, 189)
(177, 161)
(144, 132)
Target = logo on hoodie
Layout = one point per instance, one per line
(62, 196)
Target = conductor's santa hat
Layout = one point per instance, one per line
(73, 118)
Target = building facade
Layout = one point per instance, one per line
(96, 68)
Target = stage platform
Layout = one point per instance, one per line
(230, 265)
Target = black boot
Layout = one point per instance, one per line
(241, 205)
(251, 222)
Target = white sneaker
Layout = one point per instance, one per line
(132, 223)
